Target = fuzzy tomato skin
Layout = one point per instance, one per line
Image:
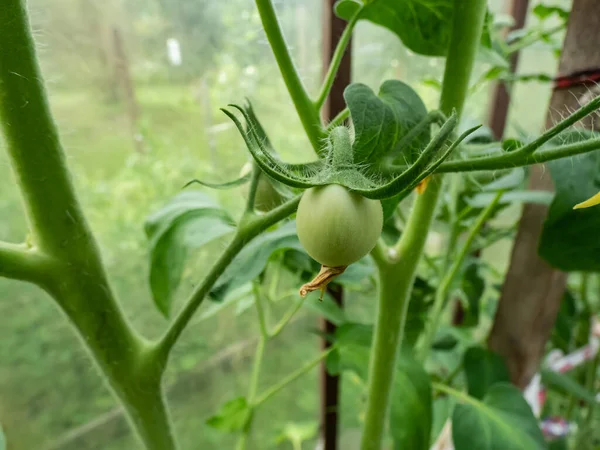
(337, 227)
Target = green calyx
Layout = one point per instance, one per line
(370, 178)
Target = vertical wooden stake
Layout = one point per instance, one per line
(332, 30)
(532, 289)
(123, 76)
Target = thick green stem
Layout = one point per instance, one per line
(397, 277)
(309, 115)
(65, 260)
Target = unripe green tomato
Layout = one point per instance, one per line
(267, 197)
(337, 227)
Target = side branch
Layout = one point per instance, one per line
(511, 160)
(20, 262)
(247, 231)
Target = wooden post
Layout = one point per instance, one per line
(501, 99)
(332, 30)
(532, 289)
(123, 76)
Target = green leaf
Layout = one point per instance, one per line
(543, 12)
(424, 26)
(411, 413)
(251, 261)
(421, 300)
(380, 121)
(566, 321)
(537, 197)
(327, 308)
(297, 433)
(569, 237)
(411, 400)
(566, 384)
(2, 440)
(189, 221)
(483, 369)
(353, 347)
(232, 416)
(472, 286)
(503, 421)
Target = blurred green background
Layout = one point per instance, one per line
(51, 396)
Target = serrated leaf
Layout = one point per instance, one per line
(187, 222)
(502, 421)
(251, 261)
(483, 369)
(568, 239)
(566, 384)
(424, 26)
(232, 416)
(381, 120)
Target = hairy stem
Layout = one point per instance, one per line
(309, 115)
(66, 261)
(336, 60)
(396, 278)
(509, 161)
(442, 290)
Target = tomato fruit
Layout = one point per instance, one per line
(267, 197)
(338, 227)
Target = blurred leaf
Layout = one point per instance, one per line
(188, 221)
(566, 320)
(444, 342)
(483, 369)
(232, 416)
(297, 433)
(411, 413)
(567, 385)
(511, 180)
(442, 410)
(560, 444)
(569, 237)
(251, 261)
(326, 308)
(411, 403)
(543, 11)
(420, 301)
(473, 286)
(503, 421)
(424, 26)
(353, 347)
(537, 197)
(381, 120)
(2, 440)
(356, 274)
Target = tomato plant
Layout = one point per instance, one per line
(350, 205)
